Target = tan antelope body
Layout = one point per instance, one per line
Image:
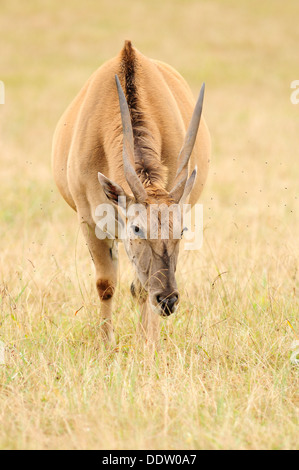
(124, 139)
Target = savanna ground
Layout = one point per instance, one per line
(222, 378)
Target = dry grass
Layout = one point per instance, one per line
(223, 377)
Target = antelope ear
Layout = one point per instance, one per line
(181, 191)
(113, 191)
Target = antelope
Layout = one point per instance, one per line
(132, 131)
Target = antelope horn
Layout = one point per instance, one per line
(128, 146)
(186, 150)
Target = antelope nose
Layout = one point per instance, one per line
(167, 304)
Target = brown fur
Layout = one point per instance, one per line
(105, 289)
(147, 165)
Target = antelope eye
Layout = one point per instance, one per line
(137, 231)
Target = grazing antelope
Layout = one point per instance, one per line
(131, 132)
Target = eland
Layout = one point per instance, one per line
(132, 136)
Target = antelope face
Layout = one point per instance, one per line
(153, 256)
(154, 261)
(151, 233)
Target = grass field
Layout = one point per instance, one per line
(222, 378)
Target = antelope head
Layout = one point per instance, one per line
(153, 254)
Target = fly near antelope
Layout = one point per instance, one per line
(133, 135)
